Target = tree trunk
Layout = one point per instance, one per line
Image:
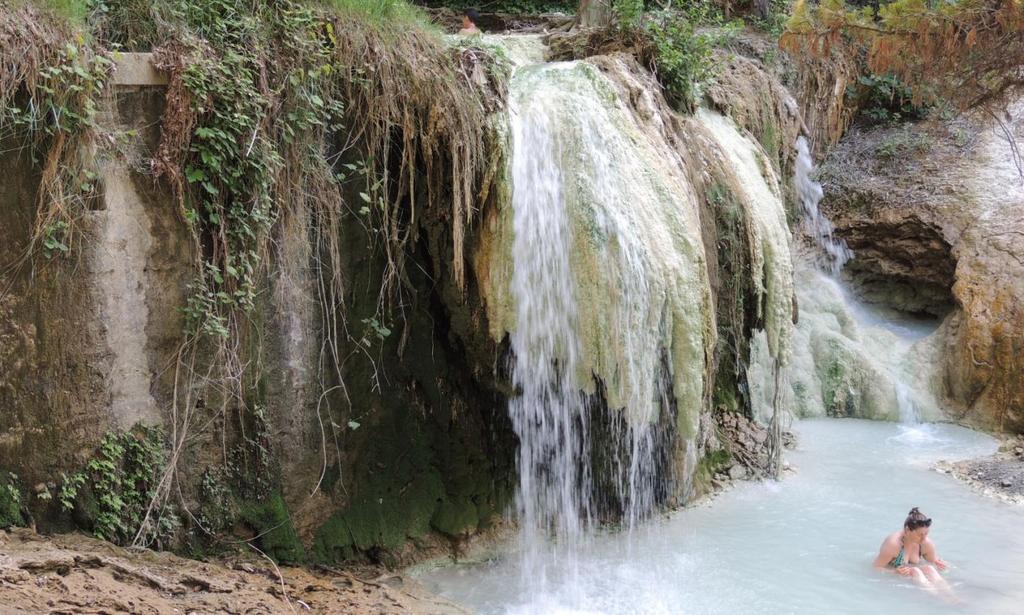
(595, 14)
(763, 8)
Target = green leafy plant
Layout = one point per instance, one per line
(115, 489)
(50, 84)
(10, 502)
(903, 143)
(884, 99)
(772, 20)
(55, 238)
(628, 11)
(511, 6)
(682, 58)
(376, 329)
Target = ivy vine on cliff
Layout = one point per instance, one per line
(272, 113)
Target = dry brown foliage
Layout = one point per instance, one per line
(52, 108)
(970, 53)
(417, 118)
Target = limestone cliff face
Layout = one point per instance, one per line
(935, 215)
(85, 339)
(370, 439)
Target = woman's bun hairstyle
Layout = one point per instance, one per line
(916, 519)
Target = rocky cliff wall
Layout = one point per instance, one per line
(87, 336)
(362, 432)
(933, 212)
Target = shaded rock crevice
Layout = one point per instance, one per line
(901, 261)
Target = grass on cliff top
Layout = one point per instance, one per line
(379, 12)
(394, 15)
(74, 11)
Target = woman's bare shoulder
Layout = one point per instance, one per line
(891, 540)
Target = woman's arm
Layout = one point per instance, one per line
(928, 553)
(886, 553)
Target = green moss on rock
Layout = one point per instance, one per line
(382, 518)
(707, 467)
(456, 517)
(276, 533)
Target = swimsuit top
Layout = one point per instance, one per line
(898, 560)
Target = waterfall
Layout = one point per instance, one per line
(833, 252)
(597, 274)
(909, 414)
(550, 414)
(850, 359)
(596, 270)
(756, 187)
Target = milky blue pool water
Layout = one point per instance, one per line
(802, 545)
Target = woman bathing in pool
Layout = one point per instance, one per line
(910, 553)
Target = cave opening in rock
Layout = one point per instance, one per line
(905, 264)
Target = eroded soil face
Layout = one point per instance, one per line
(76, 574)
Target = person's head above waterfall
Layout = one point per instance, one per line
(469, 20)
(911, 553)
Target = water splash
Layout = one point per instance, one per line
(913, 432)
(909, 414)
(787, 547)
(833, 251)
(851, 359)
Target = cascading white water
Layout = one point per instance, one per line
(834, 252)
(850, 358)
(909, 414)
(598, 275)
(595, 273)
(549, 415)
(759, 194)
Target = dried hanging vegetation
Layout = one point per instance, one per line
(50, 79)
(315, 114)
(411, 118)
(418, 92)
(279, 109)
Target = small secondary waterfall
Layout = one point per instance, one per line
(834, 253)
(909, 414)
(851, 359)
